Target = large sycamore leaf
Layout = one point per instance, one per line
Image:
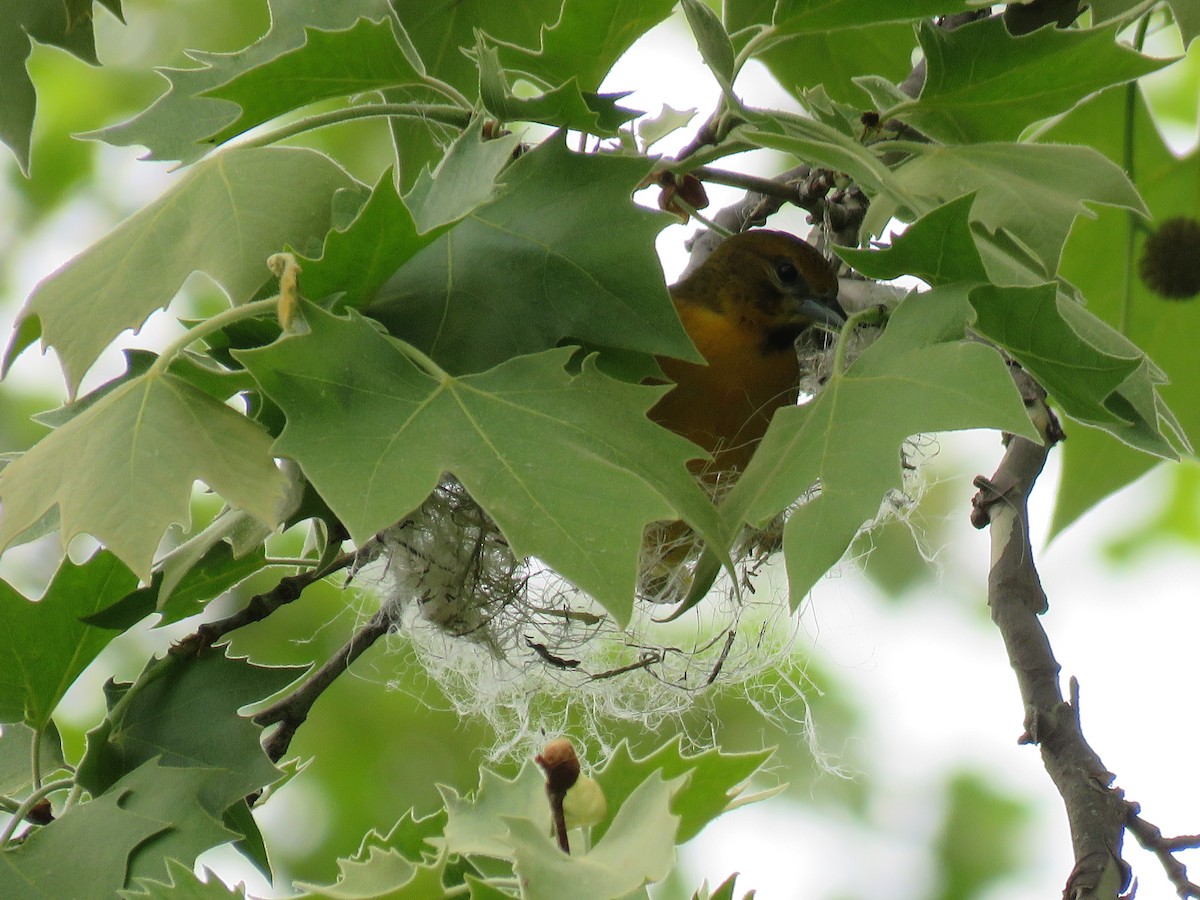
(223, 218)
(364, 57)
(177, 124)
(129, 831)
(919, 376)
(1090, 370)
(1098, 262)
(122, 470)
(45, 645)
(535, 266)
(185, 713)
(58, 24)
(1033, 192)
(568, 466)
(983, 84)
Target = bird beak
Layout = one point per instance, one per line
(823, 309)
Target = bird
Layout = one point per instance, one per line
(744, 308)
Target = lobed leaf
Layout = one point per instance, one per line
(569, 467)
(919, 376)
(531, 268)
(263, 200)
(367, 56)
(637, 849)
(177, 124)
(984, 84)
(589, 36)
(122, 470)
(45, 644)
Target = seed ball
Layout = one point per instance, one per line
(1170, 261)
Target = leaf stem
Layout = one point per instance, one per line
(29, 803)
(445, 114)
(207, 327)
(422, 361)
(36, 766)
(1131, 90)
(856, 319)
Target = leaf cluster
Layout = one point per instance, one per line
(490, 307)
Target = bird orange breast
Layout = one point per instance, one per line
(743, 309)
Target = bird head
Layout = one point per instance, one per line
(771, 282)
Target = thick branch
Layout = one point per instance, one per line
(1096, 811)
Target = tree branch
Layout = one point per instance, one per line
(289, 588)
(1096, 811)
(291, 711)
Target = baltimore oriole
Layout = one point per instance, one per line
(744, 308)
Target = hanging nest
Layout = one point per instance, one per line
(510, 640)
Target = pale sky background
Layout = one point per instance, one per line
(936, 686)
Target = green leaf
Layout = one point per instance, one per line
(463, 181)
(564, 106)
(122, 471)
(51, 23)
(184, 711)
(713, 42)
(16, 753)
(1098, 262)
(938, 248)
(476, 824)
(921, 375)
(981, 838)
(826, 57)
(638, 849)
(821, 144)
(364, 57)
(358, 259)
(439, 32)
(589, 36)
(389, 865)
(983, 84)
(569, 467)
(1187, 17)
(181, 884)
(1033, 192)
(264, 199)
(97, 847)
(1029, 324)
(525, 271)
(803, 16)
(175, 126)
(715, 779)
(45, 646)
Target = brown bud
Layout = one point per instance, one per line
(40, 813)
(561, 765)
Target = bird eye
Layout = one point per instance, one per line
(786, 271)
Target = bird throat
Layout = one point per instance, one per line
(782, 338)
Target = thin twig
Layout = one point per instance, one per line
(291, 711)
(289, 588)
(1150, 837)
